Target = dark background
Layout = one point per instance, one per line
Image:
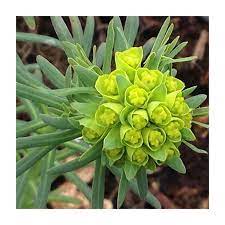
(172, 189)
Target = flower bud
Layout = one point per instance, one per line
(137, 156)
(173, 84)
(91, 132)
(129, 60)
(106, 85)
(171, 150)
(187, 118)
(173, 128)
(154, 137)
(158, 113)
(114, 154)
(130, 136)
(108, 114)
(138, 119)
(177, 104)
(180, 107)
(135, 96)
(148, 79)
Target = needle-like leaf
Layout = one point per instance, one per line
(88, 34)
(54, 138)
(51, 72)
(28, 161)
(29, 127)
(76, 29)
(109, 48)
(194, 148)
(45, 182)
(61, 29)
(98, 186)
(142, 182)
(122, 190)
(131, 29)
(40, 96)
(37, 38)
(195, 101)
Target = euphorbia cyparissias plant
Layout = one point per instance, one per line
(141, 115)
(130, 119)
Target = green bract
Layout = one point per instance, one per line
(130, 117)
(129, 61)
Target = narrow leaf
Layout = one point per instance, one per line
(142, 182)
(194, 148)
(29, 127)
(195, 101)
(61, 29)
(37, 38)
(45, 182)
(100, 54)
(76, 29)
(175, 51)
(176, 164)
(202, 111)
(130, 170)
(86, 76)
(161, 35)
(88, 34)
(201, 124)
(117, 42)
(122, 190)
(147, 47)
(54, 197)
(54, 138)
(187, 134)
(40, 96)
(51, 72)
(109, 48)
(131, 29)
(188, 91)
(30, 21)
(28, 161)
(92, 154)
(98, 186)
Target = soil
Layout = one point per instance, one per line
(172, 189)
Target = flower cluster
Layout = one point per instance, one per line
(142, 113)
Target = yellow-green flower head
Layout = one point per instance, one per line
(106, 84)
(137, 156)
(136, 96)
(173, 84)
(179, 107)
(139, 121)
(91, 131)
(148, 79)
(173, 130)
(160, 115)
(114, 154)
(90, 134)
(129, 60)
(155, 138)
(187, 118)
(110, 85)
(107, 114)
(133, 136)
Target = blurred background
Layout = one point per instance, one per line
(172, 189)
